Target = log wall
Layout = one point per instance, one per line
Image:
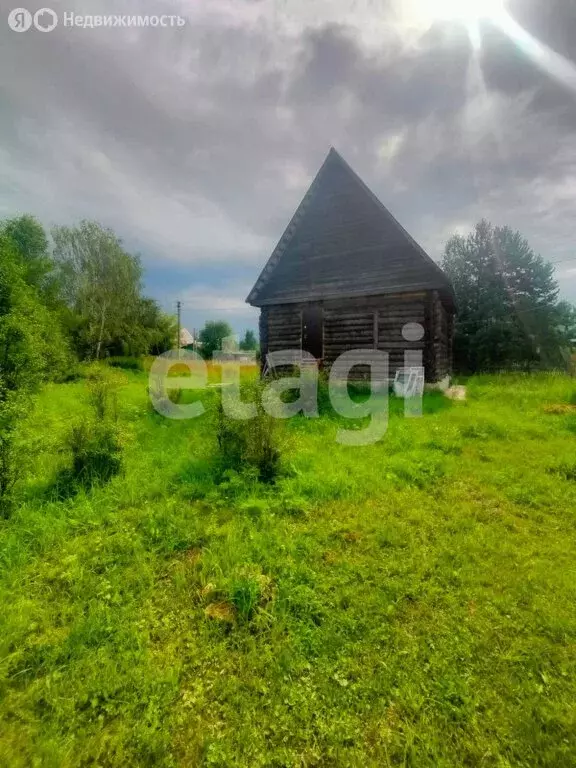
(371, 322)
(284, 327)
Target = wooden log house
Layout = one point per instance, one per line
(346, 275)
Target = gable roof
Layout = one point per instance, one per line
(342, 241)
(186, 338)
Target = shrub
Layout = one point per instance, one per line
(96, 452)
(94, 443)
(249, 444)
(103, 388)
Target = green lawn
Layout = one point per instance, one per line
(411, 603)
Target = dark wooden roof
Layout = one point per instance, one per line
(343, 242)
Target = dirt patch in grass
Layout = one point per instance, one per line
(223, 612)
(560, 409)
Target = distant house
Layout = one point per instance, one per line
(187, 341)
(346, 275)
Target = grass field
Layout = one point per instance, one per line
(410, 603)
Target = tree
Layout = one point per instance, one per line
(565, 329)
(211, 336)
(148, 331)
(506, 299)
(30, 246)
(101, 284)
(28, 344)
(249, 343)
(158, 330)
(26, 242)
(566, 322)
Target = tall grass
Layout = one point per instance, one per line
(94, 441)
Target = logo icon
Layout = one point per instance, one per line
(19, 20)
(45, 20)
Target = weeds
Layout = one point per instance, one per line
(103, 386)
(245, 596)
(94, 442)
(565, 471)
(249, 444)
(96, 452)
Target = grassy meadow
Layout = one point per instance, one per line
(409, 603)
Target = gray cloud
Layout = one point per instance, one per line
(196, 144)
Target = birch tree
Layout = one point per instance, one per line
(101, 282)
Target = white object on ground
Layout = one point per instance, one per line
(409, 382)
(456, 393)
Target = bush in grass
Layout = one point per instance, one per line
(95, 443)
(96, 452)
(251, 444)
(103, 386)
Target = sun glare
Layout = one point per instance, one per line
(467, 11)
(470, 13)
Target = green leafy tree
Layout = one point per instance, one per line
(157, 329)
(148, 330)
(20, 357)
(26, 359)
(25, 240)
(506, 300)
(31, 247)
(211, 337)
(101, 284)
(249, 342)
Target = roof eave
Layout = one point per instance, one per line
(320, 296)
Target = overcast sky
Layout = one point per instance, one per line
(197, 143)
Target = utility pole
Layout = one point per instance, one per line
(179, 308)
